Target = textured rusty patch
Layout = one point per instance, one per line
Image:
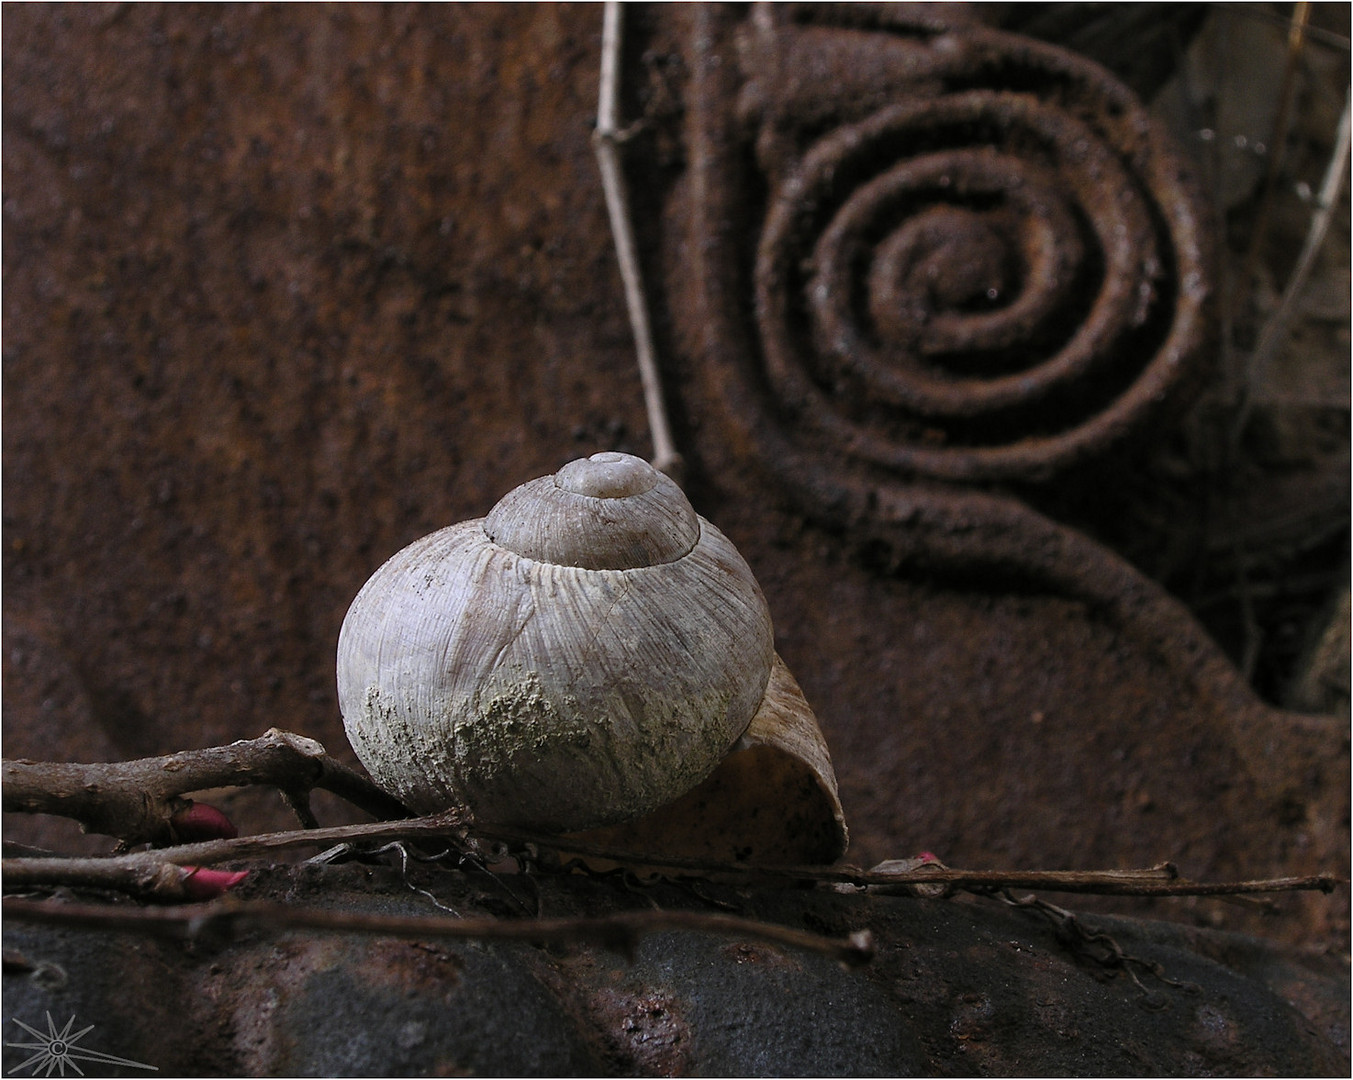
(646, 1034)
(763, 955)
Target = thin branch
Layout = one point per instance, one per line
(1277, 142)
(620, 932)
(605, 141)
(1103, 882)
(1274, 335)
(1159, 880)
(129, 872)
(136, 801)
(1261, 13)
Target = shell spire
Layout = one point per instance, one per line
(610, 511)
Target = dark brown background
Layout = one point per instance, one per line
(289, 287)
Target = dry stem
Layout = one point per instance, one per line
(1275, 329)
(620, 932)
(606, 141)
(1159, 880)
(138, 872)
(135, 872)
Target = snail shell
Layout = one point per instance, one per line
(585, 653)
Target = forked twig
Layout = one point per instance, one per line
(137, 801)
(606, 140)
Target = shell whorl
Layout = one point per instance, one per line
(586, 653)
(611, 511)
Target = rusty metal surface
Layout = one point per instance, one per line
(1109, 711)
(956, 989)
(288, 287)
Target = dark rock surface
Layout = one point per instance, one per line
(958, 987)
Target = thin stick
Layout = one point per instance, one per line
(620, 932)
(1275, 330)
(1160, 880)
(605, 141)
(131, 872)
(140, 871)
(1277, 143)
(1328, 38)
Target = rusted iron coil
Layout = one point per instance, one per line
(990, 278)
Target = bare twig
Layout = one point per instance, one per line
(606, 141)
(1277, 143)
(1160, 880)
(620, 932)
(1328, 38)
(137, 800)
(132, 872)
(137, 872)
(1275, 330)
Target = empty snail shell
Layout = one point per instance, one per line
(589, 651)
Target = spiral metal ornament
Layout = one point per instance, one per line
(984, 283)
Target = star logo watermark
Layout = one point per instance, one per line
(58, 1051)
